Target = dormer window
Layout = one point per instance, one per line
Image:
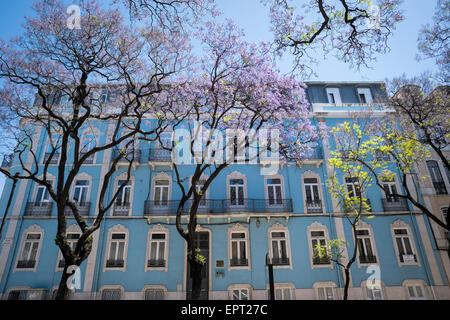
(333, 95)
(364, 95)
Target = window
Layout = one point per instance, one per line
(374, 293)
(42, 195)
(274, 191)
(325, 293)
(161, 192)
(89, 143)
(364, 95)
(353, 187)
(17, 295)
(198, 187)
(390, 188)
(382, 156)
(81, 191)
(237, 192)
(158, 244)
(240, 294)
(444, 216)
(111, 294)
(154, 294)
(283, 293)
(123, 197)
(30, 250)
(116, 251)
(333, 95)
(366, 254)
(72, 239)
(436, 177)
(403, 242)
(313, 202)
(238, 249)
(279, 248)
(318, 237)
(415, 292)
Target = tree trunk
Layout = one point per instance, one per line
(63, 292)
(347, 282)
(196, 278)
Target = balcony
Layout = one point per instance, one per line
(314, 206)
(54, 159)
(156, 263)
(121, 210)
(367, 259)
(131, 154)
(7, 161)
(90, 159)
(83, 209)
(351, 207)
(321, 261)
(114, 263)
(38, 209)
(394, 204)
(26, 264)
(159, 155)
(283, 261)
(314, 154)
(213, 206)
(235, 262)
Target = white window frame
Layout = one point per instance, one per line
(73, 229)
(312, 175)
(154, 287)
(366, 289)
(34, 229)
(237, 175)
(399, 224)
(112, 287)
(278, 227)
(367, 93)
(238, 228)
(240, 288)
(316, 226)
(326, 287)
(413, 284)
(159, 177)
(158, 229)
(362, 225)
(336, 94)
(117, 229)
(267, 185)
(280, 289)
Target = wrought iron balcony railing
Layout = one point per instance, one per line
(351, 207)
(121, 209)
(321, 261)
(395, 204)
(159, 155)
(90, 159)
(213, 206)
(54, 159)
(156, 263)
(26, 263)
(235, 262)
(129, 155)
(367, 259)
(83, 209)
(38, 208)
(314, 206)
(111, 263)
(280, 261)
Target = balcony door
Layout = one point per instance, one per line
(202, 243)
(237, 199)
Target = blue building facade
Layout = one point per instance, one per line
(138, 254)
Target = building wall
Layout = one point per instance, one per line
(304, 278)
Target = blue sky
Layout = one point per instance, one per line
(252, 16)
